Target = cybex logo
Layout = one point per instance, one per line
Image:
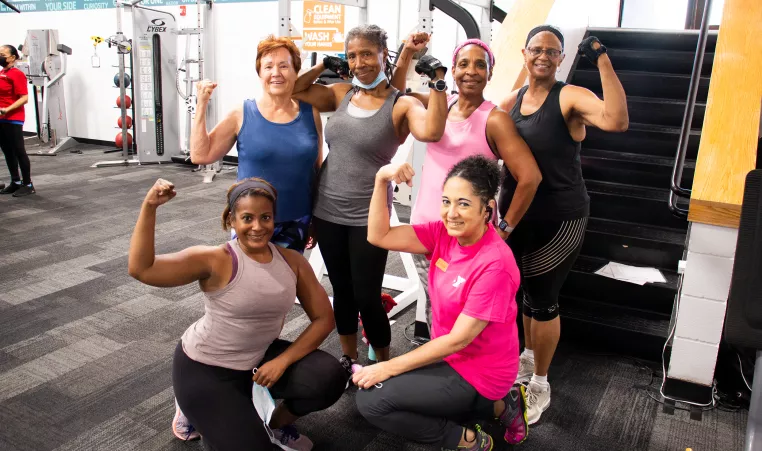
(157, 27)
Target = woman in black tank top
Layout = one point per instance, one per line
(551, 117)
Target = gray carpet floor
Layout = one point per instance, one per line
(85, 350)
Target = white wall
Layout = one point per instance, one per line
(656, 14)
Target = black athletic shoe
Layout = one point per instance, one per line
(10, 189)
(24, 190)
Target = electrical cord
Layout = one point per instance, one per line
(740, 365)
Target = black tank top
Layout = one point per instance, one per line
(561, 195)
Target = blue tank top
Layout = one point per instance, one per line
(282, 154)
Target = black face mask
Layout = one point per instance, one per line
(3, 61)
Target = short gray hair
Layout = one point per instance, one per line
(372, 33)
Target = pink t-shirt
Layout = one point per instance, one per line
(479, 281)
(461, 139)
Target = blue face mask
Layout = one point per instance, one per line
(381, 77)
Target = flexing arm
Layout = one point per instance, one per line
(169, 270)
(415, 43)
(518, 159)
(324, 98)
(400, 238)
(427, 124)
(609, 114)
(208, 147)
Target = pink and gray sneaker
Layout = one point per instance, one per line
(514, 417)
(289, 436)
(182, 428)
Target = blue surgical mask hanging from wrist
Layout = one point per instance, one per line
(381, 77)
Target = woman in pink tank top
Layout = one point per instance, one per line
(475, 126)
(249, 286)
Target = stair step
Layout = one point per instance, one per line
(636, 204)
(632, 168)
(583, 283)
(664, 112)
(645, 84)
(630, 38)
(633, 244)
(650, 60)
(612, 328)
(643, 139)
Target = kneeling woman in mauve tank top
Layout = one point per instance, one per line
(551, 117)
(249, 286)
(371, 120)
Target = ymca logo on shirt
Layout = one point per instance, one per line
(458, 281)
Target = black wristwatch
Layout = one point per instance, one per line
(440, 85)
(503, 225)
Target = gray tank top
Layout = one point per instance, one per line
(242, 319)
(358, 147)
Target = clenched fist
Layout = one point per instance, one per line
(204, 90)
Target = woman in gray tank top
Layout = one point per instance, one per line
(249, 285)
(371, 119)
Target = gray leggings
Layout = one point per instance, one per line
(426, 405)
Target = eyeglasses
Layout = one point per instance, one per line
(537, 51)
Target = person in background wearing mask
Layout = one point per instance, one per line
(13, 97)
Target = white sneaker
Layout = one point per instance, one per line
(182, 428)
(526, 370)
(289, 436)
(538, 401)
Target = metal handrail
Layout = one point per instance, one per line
(675, 190)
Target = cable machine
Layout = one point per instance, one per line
(156, 80)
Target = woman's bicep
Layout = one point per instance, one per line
(180, 268)
(402, 238)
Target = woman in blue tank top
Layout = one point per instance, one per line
(369, 122)
(277, 138)
(551, 117)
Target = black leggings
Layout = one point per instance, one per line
(217, 401)
(426, 405)
(545, 252)
(12, 143)
(356, 270)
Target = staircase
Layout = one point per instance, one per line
(628, 179)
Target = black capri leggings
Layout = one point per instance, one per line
(356, 270)
(426, 405)
(12, 143)
(545, 252)
(217, 400)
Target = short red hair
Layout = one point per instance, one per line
(271, 44)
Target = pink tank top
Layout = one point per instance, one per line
(242, 319)
(460, 140)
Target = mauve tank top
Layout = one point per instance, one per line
(242, 319)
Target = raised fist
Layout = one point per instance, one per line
(204, 90)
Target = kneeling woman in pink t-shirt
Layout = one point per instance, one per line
(466, 372)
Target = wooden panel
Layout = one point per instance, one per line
(728, 148)
(509, 72)
(725, 215)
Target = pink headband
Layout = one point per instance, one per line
(478, 42)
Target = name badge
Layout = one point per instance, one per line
(441, 264)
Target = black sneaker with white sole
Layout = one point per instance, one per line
(24, 190)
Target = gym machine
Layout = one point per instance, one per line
(154, 74)
(45, 66)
